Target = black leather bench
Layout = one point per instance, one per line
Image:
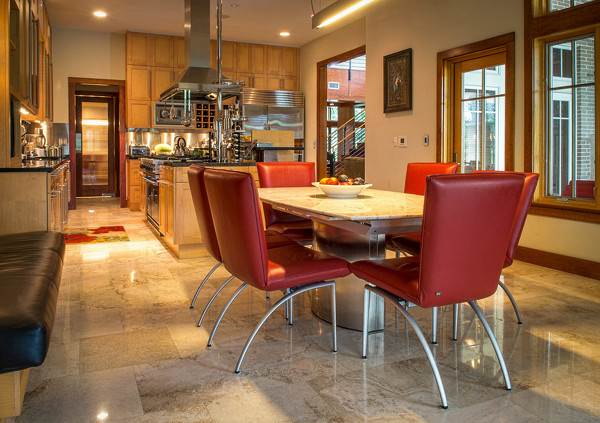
(30, 272)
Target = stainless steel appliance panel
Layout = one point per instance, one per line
(287, 119)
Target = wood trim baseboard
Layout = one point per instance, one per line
(577, 266)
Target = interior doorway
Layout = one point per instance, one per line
(97, 138)
(95, 145)
(341, 119)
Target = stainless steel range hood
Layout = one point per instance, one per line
(199, 80)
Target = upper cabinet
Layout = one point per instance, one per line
(30, 56)
(138, 49)
(155, 61)
(179, 53)
(162, 51)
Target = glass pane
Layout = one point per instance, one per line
(585, 169)
(561, 64)
(493, 139)
(471, 136)
(332, 113)
(472, 84)
(559, 143)
(495, 80)
(559, 5)
(584, 60)
(577, 2)
(94, 148)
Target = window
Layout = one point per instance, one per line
(333, 85)
(556, 5)
(561, 114)
(570, 103)
(476, 105)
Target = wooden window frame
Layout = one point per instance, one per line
(445, 108)
(542, 27)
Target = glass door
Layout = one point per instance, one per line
(480, 112)
(95, 146)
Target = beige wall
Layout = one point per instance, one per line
(345, 39)
(430, 26)
(84, 54)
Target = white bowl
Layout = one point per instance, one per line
(341, 191)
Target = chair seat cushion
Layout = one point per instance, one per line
(300, 230)
(295, 265)
(409, 242)
(398, 276)
(276, 240)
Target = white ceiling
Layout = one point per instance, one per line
(255, 21)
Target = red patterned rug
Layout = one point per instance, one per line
(95, 235)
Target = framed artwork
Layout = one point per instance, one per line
(397, 81)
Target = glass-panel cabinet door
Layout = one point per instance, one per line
(479, 127)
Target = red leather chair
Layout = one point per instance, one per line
(461, 258)
(287, 174)
(585, 189)
(233, 198)
(206, 226)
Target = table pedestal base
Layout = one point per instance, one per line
(349, 290)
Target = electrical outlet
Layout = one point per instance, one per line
(402, 141)
(426, 141)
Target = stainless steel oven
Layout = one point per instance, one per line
(150, 174)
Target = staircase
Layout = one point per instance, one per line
(351, 143)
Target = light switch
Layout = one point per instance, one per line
(426, 141)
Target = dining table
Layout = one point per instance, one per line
(353, 229)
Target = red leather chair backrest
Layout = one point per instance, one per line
(525, 200)
(585, 189)
(283, 174)
(203, 215)
(417, 173)
(235, 211)
(467, 221)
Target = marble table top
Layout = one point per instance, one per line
(371, 205)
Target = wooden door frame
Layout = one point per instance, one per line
(322, 104)
(122, 183)
(111, 99)
(445, 92)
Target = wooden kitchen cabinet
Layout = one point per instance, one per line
(179, 53)
(139, 114)
(138, 49)
(162, 51)
(154, 62)
(134, 190)
(162, 78)
(139, 86)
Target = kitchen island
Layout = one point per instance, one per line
(177, 217)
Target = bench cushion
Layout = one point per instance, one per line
(30, 273)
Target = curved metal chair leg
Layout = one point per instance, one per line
(290, 308)
(206, 278)
(365, 332)
(455, 321)
(512, 301)
(434, 323)
(422, 340)
(275, 306)
(497, 350)
(223, 311)
(212, 300)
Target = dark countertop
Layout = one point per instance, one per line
(181, 163)
(36, 165)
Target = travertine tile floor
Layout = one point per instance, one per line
(125, 349)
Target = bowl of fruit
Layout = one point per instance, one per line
(342, 186)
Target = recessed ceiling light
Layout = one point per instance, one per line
(284, 34)
(100, 14)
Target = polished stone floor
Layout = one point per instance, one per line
(125, 349)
